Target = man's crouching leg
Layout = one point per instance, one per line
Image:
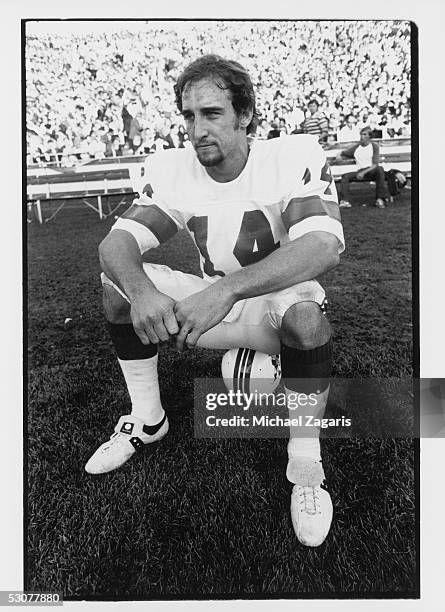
(139, 364)
(306, 355)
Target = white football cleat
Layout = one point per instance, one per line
(130, 436)
(345, 204)
(311, 512)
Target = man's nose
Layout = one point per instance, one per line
(200, 128)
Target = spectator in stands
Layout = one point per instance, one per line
(137, 147)
(107, 139)
(296, 117)
(115, 147)
(182, 135)
(172, 138)
(159, 142)
(127, 150)
(135, 129)
(75, 79)
(316, 122)
(126, 119)
(367, 158)
(334, 126)
(96, 147)
(282, 126)
(262, 129)
(349, 132)
(274, 131)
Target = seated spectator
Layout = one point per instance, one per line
(262, 129)
(115, 147)
(159, 142)
(334, 127)
(367, 158)
(172, 138)
(135, 129)
(316, 123)
(182, 135)
(137, 147)
(96, 147)
(296, 116)
(349, 132)
(282, 126)
(274, 131)
(127, 150)
(108, 139)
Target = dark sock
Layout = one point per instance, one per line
(306, 371)
(127, 343)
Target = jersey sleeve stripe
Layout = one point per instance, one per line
(319, 224)
(154, 218)
(143, 236)
(299, 209)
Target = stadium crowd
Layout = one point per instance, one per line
(111, 93)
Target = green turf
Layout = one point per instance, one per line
(209, 517)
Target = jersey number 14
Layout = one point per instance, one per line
(255, 240)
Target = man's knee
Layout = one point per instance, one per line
(304, 326)
(116, 308)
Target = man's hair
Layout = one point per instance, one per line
(365, 129)
(227, 74)
(313, 102)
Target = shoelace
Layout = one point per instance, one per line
(115, 438)
(310, 500)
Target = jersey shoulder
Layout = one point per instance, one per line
(289, 156)
(292, 146)
(279, 165)
(169, 162)
(170, 170)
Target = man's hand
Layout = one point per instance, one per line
(360, 175)
(200, 312)
(153, 317)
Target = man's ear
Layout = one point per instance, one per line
(246, 118)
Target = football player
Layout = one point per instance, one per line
(265, 219)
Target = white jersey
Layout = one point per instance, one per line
(284, 191)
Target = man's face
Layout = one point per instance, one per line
(365, 137)
(312, 108)
(211, 122)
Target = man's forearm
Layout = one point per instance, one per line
(300, 260)
(121, 261)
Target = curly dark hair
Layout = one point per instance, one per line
(227, 74)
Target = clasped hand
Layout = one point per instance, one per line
(200, 312)
(156, 317)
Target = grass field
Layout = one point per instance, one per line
(197, 518)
